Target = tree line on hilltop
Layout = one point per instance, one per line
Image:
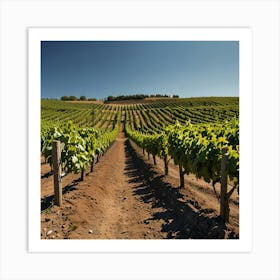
(138, 96)
(74, 98)
(111, 98)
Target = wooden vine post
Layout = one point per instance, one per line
(181, 174)
(165, 165)
(224, 199)
(154, 159)
(56, 155)
(91, 165)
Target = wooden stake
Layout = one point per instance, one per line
(154, 159)
(165, 165)
(82, 175)
(181, 174)
(224, 206)
(91, 166)
(56, 156)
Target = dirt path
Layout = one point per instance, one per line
(126, 197)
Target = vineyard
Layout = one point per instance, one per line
(178, 156)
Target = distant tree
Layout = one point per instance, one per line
(175, 96)
(83, 98)
(64, 98)
(110, 98)
(91, 99)
(72, 98)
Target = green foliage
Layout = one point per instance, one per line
(73, 98)
(81, 145)
(68, 98)
(111, 98)
(197, 148)
(64, 98)
(83, 98)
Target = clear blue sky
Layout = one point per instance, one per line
(98, 69)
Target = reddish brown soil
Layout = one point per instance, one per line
(127, 197)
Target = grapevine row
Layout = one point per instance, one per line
(81, 146)
(196, 149)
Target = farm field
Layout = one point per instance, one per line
(141, 170)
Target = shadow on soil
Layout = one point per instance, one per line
(48, 201)
(181, 217)
(47, 175)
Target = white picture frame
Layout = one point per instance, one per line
(262, 259)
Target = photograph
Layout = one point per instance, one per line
(139, 139)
